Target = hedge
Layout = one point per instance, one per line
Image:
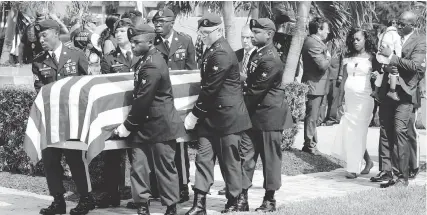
(15, 105)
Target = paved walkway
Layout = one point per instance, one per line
(295, 188)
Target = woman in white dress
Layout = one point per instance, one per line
(350, 140)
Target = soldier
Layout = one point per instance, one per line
(154, 123)
(179, 53)
(220, 115)
(119, 60)
(269, 114)
(56, 62)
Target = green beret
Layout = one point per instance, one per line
(45, 25)
(139, 29)
(209, 20)
(262, 23)
(122, 22)
(165, 13)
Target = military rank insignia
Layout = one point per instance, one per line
(143, 81)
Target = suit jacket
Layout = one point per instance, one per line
(72, 62)
(153, 115)
(116, 62)
(220, 106)
(411, 67)
(315, 65)
(264, 99)
(181, 55)
(240, 54)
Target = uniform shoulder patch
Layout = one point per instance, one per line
(184, 34)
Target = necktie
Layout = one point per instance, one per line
(167, 44)
(402, 40)
(128, 56)
(54, 58)
(245, 63)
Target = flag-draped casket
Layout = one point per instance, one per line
(81, 112)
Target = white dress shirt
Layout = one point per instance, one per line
(57, 52)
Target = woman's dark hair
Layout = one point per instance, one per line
(370, 41)
(109, 31)
(315, 24)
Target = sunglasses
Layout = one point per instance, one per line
(205, 34)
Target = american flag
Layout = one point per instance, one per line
(87, 109)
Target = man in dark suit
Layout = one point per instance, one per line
(246, 52)
(316, 61)
(269, 112)
(56, 62)
(154, 123)
(179, 53)
(395, 115)
(220, 115)
(329, 113)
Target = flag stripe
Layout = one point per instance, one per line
(54, 108)
(64, 111)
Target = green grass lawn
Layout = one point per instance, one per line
(399, 201)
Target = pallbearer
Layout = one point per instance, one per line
(219, 117)
(153, 123)
(269, 112)
(54, 63)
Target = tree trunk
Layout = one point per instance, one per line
(255, 10)
(297, 42)
(230, 31)
(8, 38)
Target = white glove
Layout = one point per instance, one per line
(121, 131)
(190, 121)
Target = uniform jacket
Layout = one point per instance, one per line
(220, 106)
(264, 99)
(153, 115)
(411, 67)
(115, 62)
(315, 65)
(181, 55)
(72, 62)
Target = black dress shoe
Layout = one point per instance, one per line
(142, 209)
(223, 191)
(382, 177)
(58, 206)
(171, 210)
(268, 205)
(395, 183)
(106, 200)
(184, 194)
(86, 203)
(313, 151)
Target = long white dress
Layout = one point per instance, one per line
(350, 139)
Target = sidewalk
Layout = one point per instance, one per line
(294, 188)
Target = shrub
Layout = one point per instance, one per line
(296, 96)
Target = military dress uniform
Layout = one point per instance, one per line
(47, 69)
(222, 116)
(269, 114)
(32, 46)
(179, 54)
(155, 125)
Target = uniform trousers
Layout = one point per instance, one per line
(157, 158)
(267, 145)
(394, 139)
(182, 163)
(77, 162)
(226, 148)
(310, 121)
